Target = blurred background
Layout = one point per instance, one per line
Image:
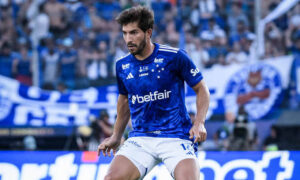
(58, 89)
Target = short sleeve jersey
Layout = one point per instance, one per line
(156, 92)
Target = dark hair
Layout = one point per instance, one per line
(140, 14)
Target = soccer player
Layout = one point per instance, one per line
(151, 91)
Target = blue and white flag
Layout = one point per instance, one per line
(22, 105)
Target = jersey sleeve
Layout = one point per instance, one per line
(187, 69)
(121, 87)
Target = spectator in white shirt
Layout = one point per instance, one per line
(236, 55)
(199, 55)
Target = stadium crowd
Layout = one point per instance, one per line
(78, 41)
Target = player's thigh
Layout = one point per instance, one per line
(136, 150)
(122, 168)
(187, 169)
(175, 151)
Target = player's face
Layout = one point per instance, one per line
(134, 37)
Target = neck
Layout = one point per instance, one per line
(146, 52)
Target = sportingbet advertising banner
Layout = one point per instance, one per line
(21, 105)
(273, 165)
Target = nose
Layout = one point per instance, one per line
(127, 38)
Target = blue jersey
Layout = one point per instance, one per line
(156, 93)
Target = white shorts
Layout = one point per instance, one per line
(146, 152)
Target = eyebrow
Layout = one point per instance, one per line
(134, 30)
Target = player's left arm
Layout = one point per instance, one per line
(198, 130)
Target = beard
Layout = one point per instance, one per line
(140, 47)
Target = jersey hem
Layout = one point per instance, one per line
(159, 135)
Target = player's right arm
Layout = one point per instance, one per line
(123, 115)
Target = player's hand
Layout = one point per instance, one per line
(199, 132)
(107, 145)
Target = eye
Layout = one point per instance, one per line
(134, 32)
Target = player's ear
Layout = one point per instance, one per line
(149, 32)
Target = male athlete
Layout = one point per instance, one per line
(151, 86)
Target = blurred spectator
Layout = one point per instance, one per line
(214, 29)
(294, 19)
(6, 60)
(68, 63)
(220, 36)
(86, 54)
(220, 141)
(271, 50)
(244, 134)
(22, 66)
(195, 17)
(274, 43)
(240, 33)
(50, 59)
(207, 8)
(97, 23)
(271, 143)
(207, 40)
(39, 25)
(107, 9)
(215, 48)
(219, 49)
(58, 14)
(235, 17)
(120, 51)
(199, 55)
(103, 57)
(172, 37)
(160, 7)
(294, 86)
(73, 6)
(97, 67)
(293, 40)
(83, 134)
(236, 55)
(101, 129)
(7, 26)
(184, 9)
(293, 45)
(29, 143)
(221, 137)
(189, 41)
(248, 46)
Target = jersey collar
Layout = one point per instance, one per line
(149, 58)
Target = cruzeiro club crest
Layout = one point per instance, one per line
(5, 102)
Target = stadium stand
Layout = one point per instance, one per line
(78, 42)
